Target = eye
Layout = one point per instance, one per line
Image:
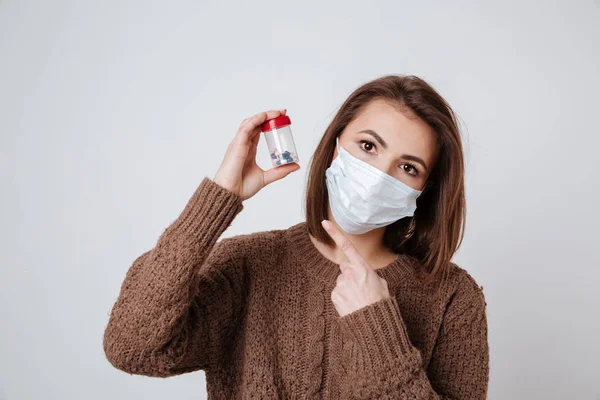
(410, 169)
(367, 146)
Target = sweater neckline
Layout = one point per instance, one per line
(327, 271)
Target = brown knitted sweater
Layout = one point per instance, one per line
(254, 312)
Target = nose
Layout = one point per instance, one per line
(388, 166)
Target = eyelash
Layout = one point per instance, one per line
(416, 171)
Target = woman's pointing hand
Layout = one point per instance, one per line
(358, 285)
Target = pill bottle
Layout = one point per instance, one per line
(280, 141)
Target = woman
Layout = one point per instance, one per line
(360, 301)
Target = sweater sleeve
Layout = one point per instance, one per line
(180, 300)
(459, 368)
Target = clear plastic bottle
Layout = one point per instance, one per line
(280, 141)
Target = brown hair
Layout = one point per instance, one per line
(436, 230)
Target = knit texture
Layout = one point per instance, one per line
(254, 312)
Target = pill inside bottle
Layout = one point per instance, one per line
(278, 134)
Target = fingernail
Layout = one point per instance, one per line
(325, 224)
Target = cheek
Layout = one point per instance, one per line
(413, 183)
(356, 152)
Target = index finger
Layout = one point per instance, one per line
(250, 124)
(344, 243)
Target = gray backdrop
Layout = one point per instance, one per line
(112, 113)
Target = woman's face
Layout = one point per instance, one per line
(385, 138)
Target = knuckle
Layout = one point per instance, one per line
(253, 119)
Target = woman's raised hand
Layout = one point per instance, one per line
(239, 172)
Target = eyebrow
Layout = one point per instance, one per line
(385, 146)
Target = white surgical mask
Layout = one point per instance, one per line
(363, 198)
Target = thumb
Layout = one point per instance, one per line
(275, 174)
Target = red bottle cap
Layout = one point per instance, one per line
(277, 122)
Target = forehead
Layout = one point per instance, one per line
(401, 132)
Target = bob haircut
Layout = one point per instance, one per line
(435, 232)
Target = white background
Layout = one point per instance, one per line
(112, 112)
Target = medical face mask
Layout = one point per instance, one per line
(363, 198)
